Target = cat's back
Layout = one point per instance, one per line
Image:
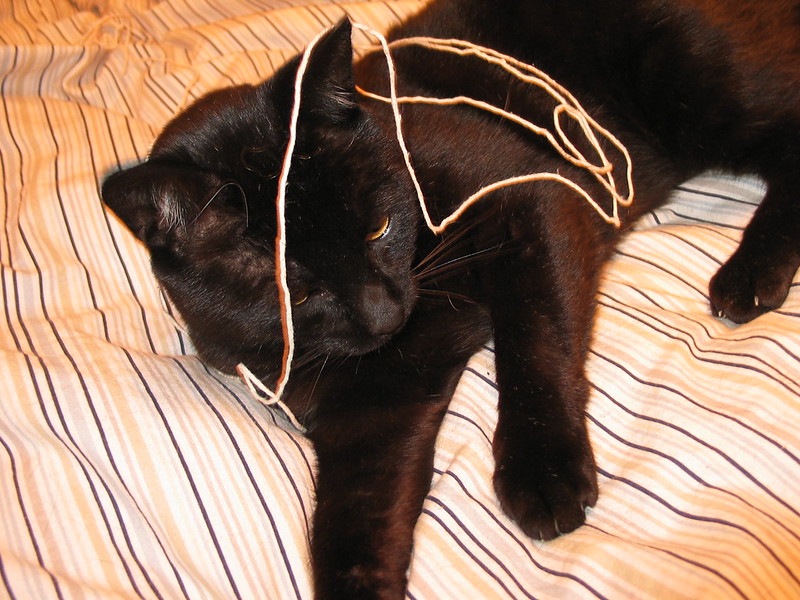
(680, 70)
(687, 84)
(576, 38)
(763, 34)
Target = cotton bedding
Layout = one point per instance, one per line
(129, 469)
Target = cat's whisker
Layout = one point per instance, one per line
(450, 241)
(445, 250)
(434, 294)
(308, 357)
(206, 205)
(455, 265)
(445, 244)
(310, 395)
(435, 268)
(214, 196)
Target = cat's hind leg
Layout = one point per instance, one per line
(719, 83)
(758, 276)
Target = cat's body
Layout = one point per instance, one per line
(385, 321)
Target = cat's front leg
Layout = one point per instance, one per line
(544, 466)
(374, 442)
(542, 305)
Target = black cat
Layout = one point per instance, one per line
(387, 314)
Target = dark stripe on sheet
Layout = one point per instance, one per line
(686, 433)
(74, 448)
(697, 478)
(466, 419)
(663, 269)
(188, 476)
(93, 411)
(666, 329)
(488, 380)
(689, 189)
(457, 538)
(31, 535)
(692, 517)
(289, 44)
(491, 514)
(276, 535)
(11, 297)
(76, 454)
(690, 244)
(247, 407)
(694, 563)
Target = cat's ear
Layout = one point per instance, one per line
(156, 201)
(328, 90)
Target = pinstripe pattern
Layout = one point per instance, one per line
(130, 470)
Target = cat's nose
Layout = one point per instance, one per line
(380, 313)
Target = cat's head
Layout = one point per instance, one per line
(204, 205)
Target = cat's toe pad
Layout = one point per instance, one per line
(546, 500)
(745, 287)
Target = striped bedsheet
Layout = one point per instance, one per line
(129, 469)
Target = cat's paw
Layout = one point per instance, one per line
(750, 284)
(545, 489)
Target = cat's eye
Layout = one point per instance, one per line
(300, 297)
(379, 231)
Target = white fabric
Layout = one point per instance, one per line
(131, 470)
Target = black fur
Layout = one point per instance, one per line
(386, 325)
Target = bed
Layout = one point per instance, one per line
(129, 469)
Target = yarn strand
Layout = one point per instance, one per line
(281, 277)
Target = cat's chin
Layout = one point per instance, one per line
(376, 343)
(358, 343)
(362, 345)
